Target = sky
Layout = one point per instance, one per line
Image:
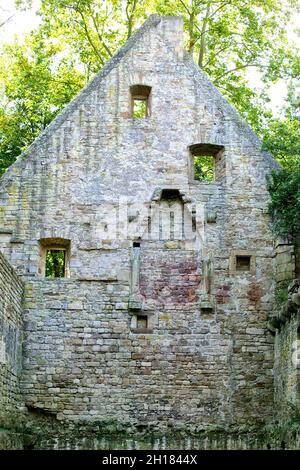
(23, 22)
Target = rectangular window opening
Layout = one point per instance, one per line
(172, 226)
(243, 263)
(139, 108)
(207, 312)
(204, 168)
(194, 221)
(141, 322)
(55, 263)
(140, 101)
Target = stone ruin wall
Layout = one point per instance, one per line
(285, 323)
(197, 369)
(11, 334)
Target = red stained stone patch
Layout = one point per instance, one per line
(175, 282)
(223, 294)
(255, 292)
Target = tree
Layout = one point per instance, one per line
(225, 36)
(34, 90)
(93, 29)
(5, 17)
(282, 139)
(284, 208)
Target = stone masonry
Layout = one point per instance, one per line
(155, 326)
(11, 332)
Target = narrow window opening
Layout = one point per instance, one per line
(140, 101)
(141, 322)
(136, 244)
(55, 263)
(149, 224)
(194, 222)
(172, 225)
(243, 263)
(139, 108)
(182, 222)
(55, 257)
(160, 225)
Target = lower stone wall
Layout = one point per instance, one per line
(207, 441)
(286, 324)
(11, 291)
(285, 367)
(285, 263)
(84, 363)
(46, 433)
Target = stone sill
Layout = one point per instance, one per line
(142, 330)
(70, 279)
(96, 279)
(99, 248)
(16, 240)
(205, 184)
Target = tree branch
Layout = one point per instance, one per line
(100, 37)
(6, 21)
(225, 89)
(203, 33)
(238, 68)
(130, 16)
(219, 51)
(185, 7)
(220, 8)
(89, 37)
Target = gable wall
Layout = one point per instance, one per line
(81, 359)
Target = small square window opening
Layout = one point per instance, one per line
(141, 322)
(243, 263)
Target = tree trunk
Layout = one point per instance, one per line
(191, 33)
(203, 36)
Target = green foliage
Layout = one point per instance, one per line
(35, 86)
(139, 109)
(281, 293)
(284, 208)
(204, 168)
(282, 139)
(55, 263)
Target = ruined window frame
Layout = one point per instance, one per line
(214, 151)
(54, 244)
(233, 262)
(134, 323)
(143, 93)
